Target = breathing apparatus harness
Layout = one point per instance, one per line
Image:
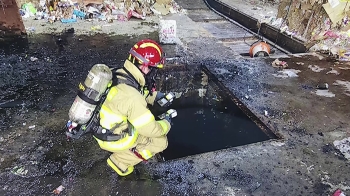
(93, 126)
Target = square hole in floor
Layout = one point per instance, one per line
(209, 118)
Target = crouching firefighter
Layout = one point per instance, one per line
(123, 124)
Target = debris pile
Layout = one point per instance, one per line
(324, 26)
(279, 64)
(68, 11)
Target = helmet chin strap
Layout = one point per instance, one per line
(150, 79)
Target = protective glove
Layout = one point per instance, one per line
(165, 100)
(168, 115)
(167, 118)
(159, 95)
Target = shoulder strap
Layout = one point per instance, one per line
(128, 79)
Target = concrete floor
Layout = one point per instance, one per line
(304, 162)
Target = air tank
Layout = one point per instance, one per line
(90, 93)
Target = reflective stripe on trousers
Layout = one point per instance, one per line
(125, 143)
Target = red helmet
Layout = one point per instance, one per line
(148, 53)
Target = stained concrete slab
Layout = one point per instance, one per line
(305, 162)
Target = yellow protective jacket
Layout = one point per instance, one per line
(125, 108)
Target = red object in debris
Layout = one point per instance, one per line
(338, 193)
(134, 14)
(129, 14)
(331, 34)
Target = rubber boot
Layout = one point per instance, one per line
(119, 171)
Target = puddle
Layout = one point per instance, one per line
(210, 122)
(324, 93)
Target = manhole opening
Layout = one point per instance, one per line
(209, 118)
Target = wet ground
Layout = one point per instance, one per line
(35, 96)
(304, 162)
(38, 84)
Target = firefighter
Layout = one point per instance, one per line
(127, 128)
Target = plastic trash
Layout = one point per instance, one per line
(33, 58)
(29, 7)
(96, 28)
(279, 64)
(58, 190)
(19, 171)
(338, 193)
(22, 12)
(79, 14)
(68, 20)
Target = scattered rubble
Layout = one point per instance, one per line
(33, 59)
(339, 193)
(279, 64)
(287, 73)
(69, 11)
(333, 71)
(266, 113)
(315, 68)
(58, 190)
(343, 146)
(323, 86)
(324, 27)
(19, 171)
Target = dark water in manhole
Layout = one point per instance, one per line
(211, 122)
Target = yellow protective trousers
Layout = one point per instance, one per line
(146, 147)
